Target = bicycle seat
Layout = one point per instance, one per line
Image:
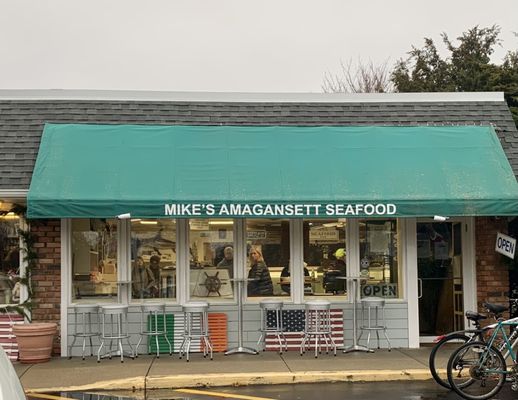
(475, 316)
(495, 308)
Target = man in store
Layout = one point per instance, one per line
(143, 280)
(228, 261)
(337, 269)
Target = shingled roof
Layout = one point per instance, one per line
(23, 114)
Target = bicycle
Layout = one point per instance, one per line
(478, 371)
(447, 344)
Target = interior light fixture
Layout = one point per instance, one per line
(440, 218)
(216, 222)
(10, 215)
(149, 222)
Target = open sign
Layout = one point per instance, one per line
(505, 245)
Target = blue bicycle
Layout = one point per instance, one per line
(478, 370)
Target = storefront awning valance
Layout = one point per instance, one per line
(272, 171)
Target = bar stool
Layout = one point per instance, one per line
(150, 312)
(276, 328)
(195, 326)
(118, 329)
(318, 325)
(373, 306)
(84, 328)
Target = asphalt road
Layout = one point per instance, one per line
(407, 390)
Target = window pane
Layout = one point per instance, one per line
(379, 258)
(325, 257)
(9, 260)
(268, 250)
(94, 258)
(153, 259)
(211, 243)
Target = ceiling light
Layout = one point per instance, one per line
(149, 222)
(216, 222)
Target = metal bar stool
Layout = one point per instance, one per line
(118, 330)
(84, 328)
(275, 326)
(150, 312)
(195, 326)
(318, 325)
(370, 306)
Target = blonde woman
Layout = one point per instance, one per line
(262, 282)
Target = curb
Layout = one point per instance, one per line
(245, 379)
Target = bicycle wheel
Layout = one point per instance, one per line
(440, 355)
(476, 371)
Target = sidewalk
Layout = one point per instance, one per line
(61, 374)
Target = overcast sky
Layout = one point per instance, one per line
(221, 45)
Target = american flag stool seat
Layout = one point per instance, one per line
(195, 327)
(318, 326)
(272, 324)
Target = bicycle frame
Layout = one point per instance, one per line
(509, 342)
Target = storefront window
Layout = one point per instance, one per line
(9, 259)
(325, 257)
(268, 251)
(211, 244)
(94, 258)
(379, 258)
(153, 259)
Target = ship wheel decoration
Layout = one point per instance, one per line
(212, 283)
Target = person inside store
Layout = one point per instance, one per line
(286, 283)
(143, 281)
(154, 266)
(228, 261)
(337, 269)
(96, 275)
(11, 261)
(261, 285)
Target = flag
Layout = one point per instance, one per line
(294, 322)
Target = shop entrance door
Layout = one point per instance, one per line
(440, 283)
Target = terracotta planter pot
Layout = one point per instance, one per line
(35, 341)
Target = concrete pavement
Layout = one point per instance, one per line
(61, 374)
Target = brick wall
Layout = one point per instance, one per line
(492, 270)
(46, 278)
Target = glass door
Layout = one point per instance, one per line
(440, 285)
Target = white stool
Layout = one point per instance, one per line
(195, 326)
(318, 325)
(274, 306)
(84, 328)
(373, 307)
(150, 312)
(118, 330)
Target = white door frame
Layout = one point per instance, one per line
(469, 276)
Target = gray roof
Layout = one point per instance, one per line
(22, 117)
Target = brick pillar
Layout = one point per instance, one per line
(46, 276)
(492, 270)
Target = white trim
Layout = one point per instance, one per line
(65, 282)
(297, 260)
(24, 291)
(13, 193)
(410, 285)
(182, 261)
(469, 269)
(258, 97)
(352, 254)
(124, 259)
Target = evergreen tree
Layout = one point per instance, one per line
(467, 68)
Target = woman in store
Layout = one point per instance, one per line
(261, 285)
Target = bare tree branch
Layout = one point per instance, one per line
(364, 77)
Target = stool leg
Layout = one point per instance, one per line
(141, 333)
(369, 326)
(101, 340)
(165, 334)
(377, 330)
(262, 337)
(74, 336)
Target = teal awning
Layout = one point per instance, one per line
(272, 171)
